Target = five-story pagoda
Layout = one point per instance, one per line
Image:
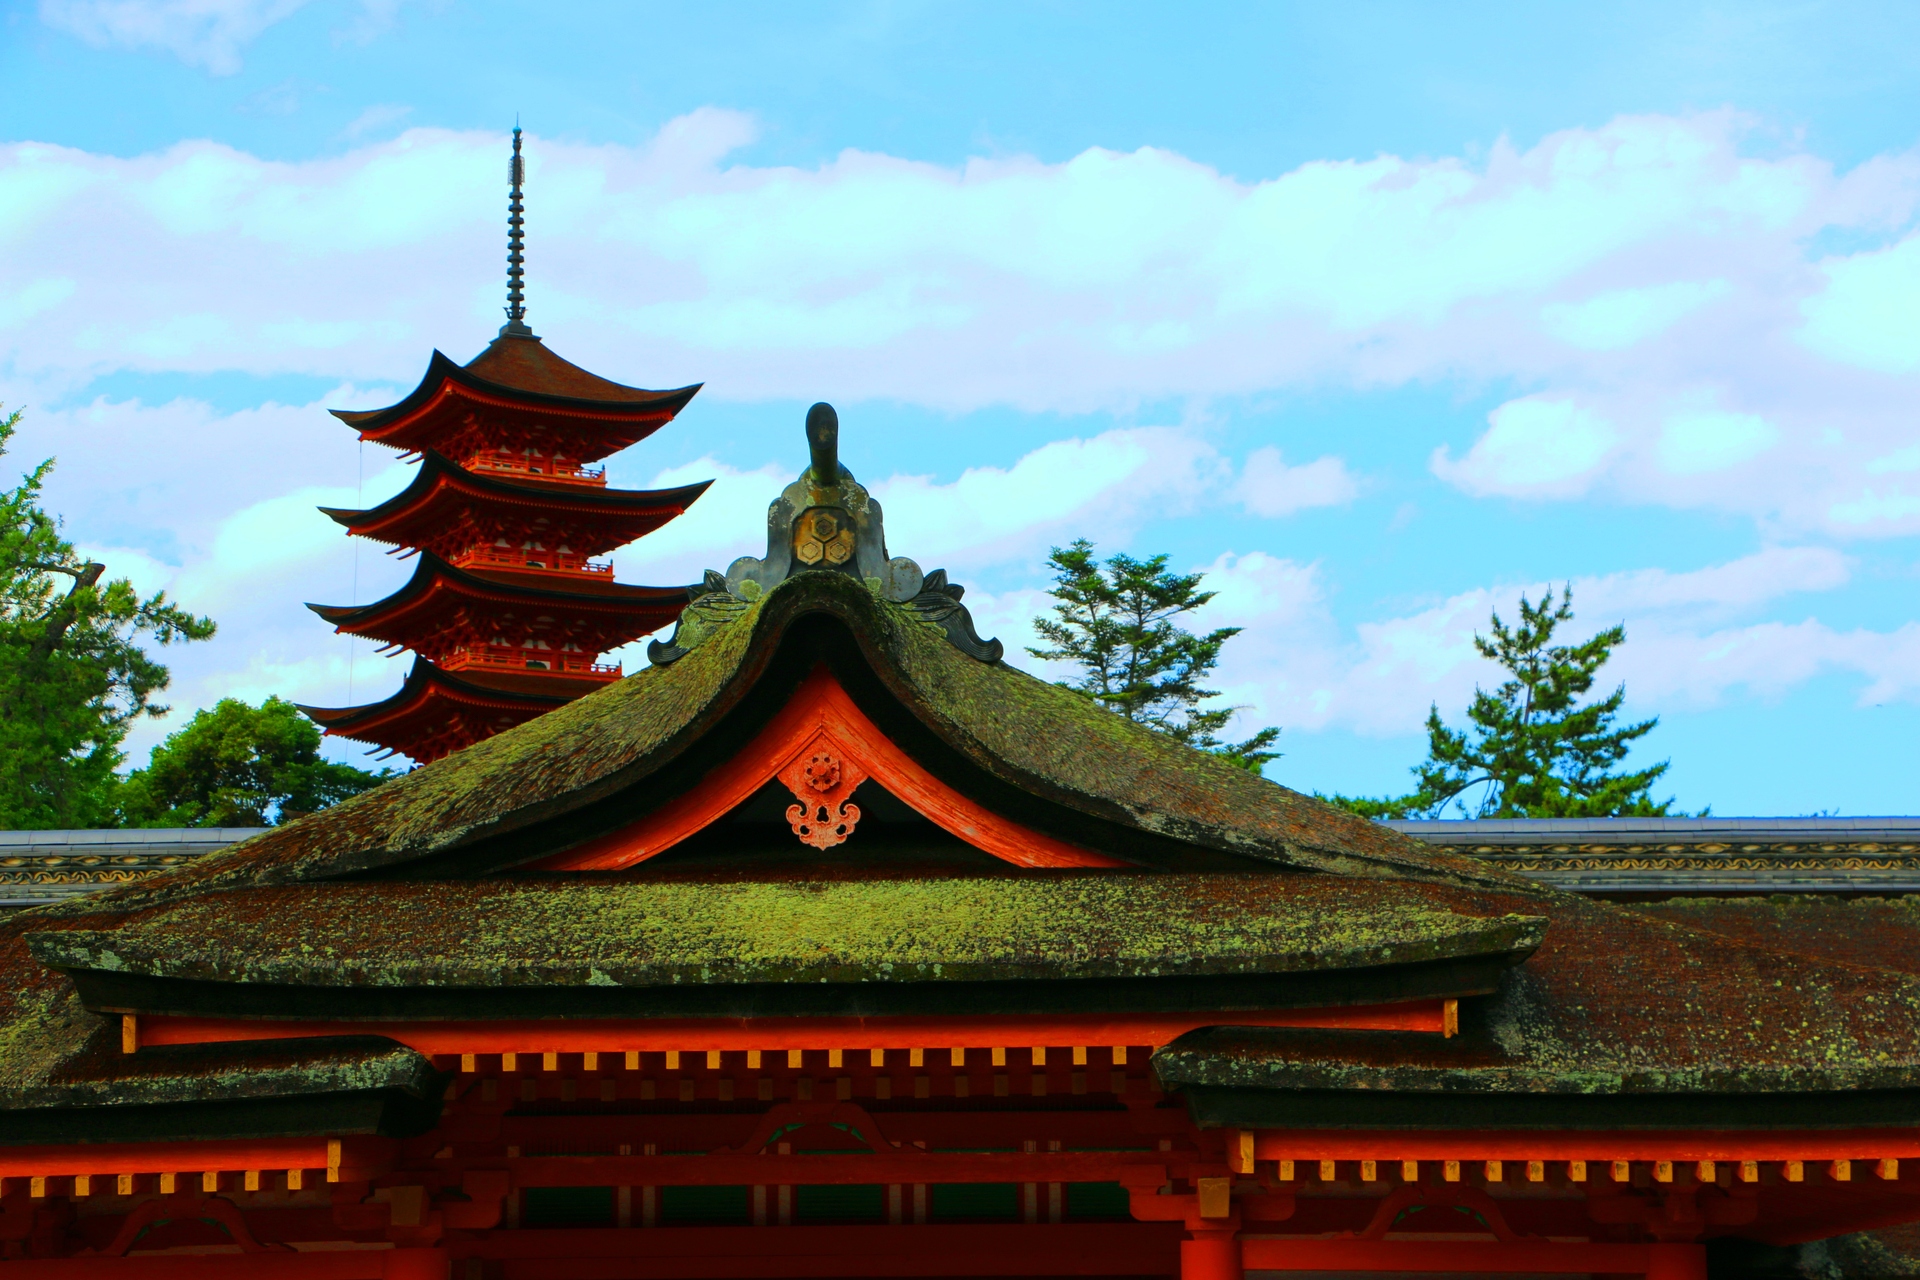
(507, 611)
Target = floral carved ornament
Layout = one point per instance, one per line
(822, 777)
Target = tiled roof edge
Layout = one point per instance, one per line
(1548, 831)
(125, 839)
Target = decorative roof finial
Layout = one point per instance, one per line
(825, 522)
(516, 325)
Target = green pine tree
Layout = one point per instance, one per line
(1532, 750)
(73, 673)
(1116, 621)
(236, 765)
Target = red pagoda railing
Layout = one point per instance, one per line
(492, 659)
(522, 559)
(502, 461)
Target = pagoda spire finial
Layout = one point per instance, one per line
(516, 325)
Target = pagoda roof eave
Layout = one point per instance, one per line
(497, 586)
(620, 402)
(494, 690)
(436, 470)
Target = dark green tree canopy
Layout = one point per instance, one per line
(1533, 751)
(1116, 622)
(73, 672)
(237, 765)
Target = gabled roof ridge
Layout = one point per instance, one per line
(1021, 734)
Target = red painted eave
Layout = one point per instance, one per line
(533, 379)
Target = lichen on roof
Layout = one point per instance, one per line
(1616, 1001)
(642, 933)
(1044, 740)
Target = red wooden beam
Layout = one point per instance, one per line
(1655, 1261)
(326, 1264)
(657, 1035)
(697, 1253)
(1594, 1147)
(351, 1155)
(838, 1169)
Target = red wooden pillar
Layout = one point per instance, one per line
(417, 1264)
(1211, 1255)
(1676, 1262)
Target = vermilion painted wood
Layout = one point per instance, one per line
(453, 390)
(936, 1249)
(851, 1169)
(1595, 1147)
(328, 1264)
(1655, 1261)
(820, 708)
(658, 1035)
(183, 1157)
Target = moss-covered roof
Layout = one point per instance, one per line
(1884, 932)
(643, 933)
(63, 1076)
(992, 729)
(1231, 876)
(1614, 1002)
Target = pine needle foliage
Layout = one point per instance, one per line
(1532, 749)
(74, 675)
(1115, 621)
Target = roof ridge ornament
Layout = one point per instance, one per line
(516, 325)
(825, 521)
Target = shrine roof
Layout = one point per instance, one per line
(63, 1077)
(1615, 1004)
(435, 470)
(1026, 741)
(1870, 931)
(705, 933)
(522, 368)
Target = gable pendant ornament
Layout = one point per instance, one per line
(823, 779)
(821, 747)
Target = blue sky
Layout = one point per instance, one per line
(1380, 314)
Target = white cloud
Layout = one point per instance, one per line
(1535, 447)
(38, 295)
(272, 540)
(1869, 312)
(1749, 581)
(1269, 487)
(201, 33)
(145, 572)
(1690, 640)
(1597, 270)
(1907, 459)
(1643, 288)
(1100, 488)
(729, 520)
(1694, 443)
(195, 479)
(1625, 317)
(376, 119)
